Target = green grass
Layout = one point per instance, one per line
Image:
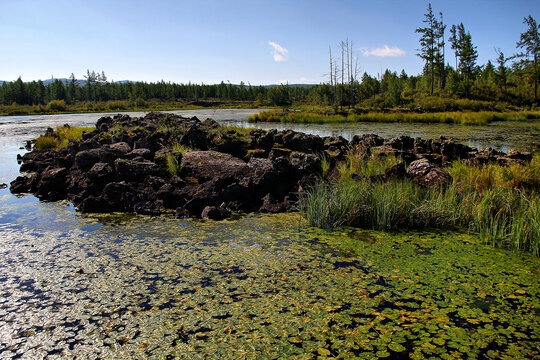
(61, 107)
(366, 166)
(176, 147)
(501, 204)
(173, 166)
(61, 136)
(457, 117)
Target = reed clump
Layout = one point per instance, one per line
(500, 203)
(457, 117)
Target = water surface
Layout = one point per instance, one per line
(258, 287)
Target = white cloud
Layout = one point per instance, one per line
(386, 51)
(303, 78)
(280, 53)
(284, 82)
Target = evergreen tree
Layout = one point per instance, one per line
(467, 58)
(440, 54)
(428, 43)
(502, 72)
(529, 43)
(454, 42)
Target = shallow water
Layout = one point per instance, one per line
(265, 286)
(503, 135)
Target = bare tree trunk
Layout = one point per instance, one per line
(535, 78)
(331, 74)
(348, 67)
(342, 76)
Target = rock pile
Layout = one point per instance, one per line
(130, 164)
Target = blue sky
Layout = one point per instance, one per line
(260, 42)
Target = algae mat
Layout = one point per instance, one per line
(259, 287)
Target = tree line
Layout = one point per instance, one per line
(512, 79)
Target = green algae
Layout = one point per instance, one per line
(116, 286)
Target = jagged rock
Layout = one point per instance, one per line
(397, 171)
(85, 159)
(132, 170)
(263, 171)
(426, 174)
(205, 165)
(20, 185)
(140, 152)
(100, 173)
(195, 137)
(147, 208)
(52, 180)
(215, 213)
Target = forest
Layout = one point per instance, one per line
(449, 82)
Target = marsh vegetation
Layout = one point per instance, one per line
(500, 203)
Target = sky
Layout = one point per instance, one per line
(257, 42)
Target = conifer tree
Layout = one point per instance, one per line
(529, 43)
(428, 43)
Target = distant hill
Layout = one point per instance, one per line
(293, 85)
(82, 82)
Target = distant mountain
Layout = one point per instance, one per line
(65, 81)
(293, 85)
(82, 82)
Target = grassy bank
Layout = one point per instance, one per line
(61, 107)
(458, 117)
(502, 204)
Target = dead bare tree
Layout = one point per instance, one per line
(332, 78)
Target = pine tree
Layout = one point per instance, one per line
(440, 55)
(428, 42)
(467, 57)
(529, 42)
(502, 72)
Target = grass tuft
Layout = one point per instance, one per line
(501, 203)
(173, 166)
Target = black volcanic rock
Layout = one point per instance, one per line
(130, 164)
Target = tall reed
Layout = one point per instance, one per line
(500, 203)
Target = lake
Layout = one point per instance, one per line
(257, 286)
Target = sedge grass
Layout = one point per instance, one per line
(505, 212)
(457, 117)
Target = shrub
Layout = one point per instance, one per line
(57, 105)
(46, 142)
(61, 136)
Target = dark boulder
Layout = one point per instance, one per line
(397, 171)
(52, 180)
(147, 208)
(22, 184)
(100, 173)
(205, 165)
(137, 171)
(85, 159)
(195, 137)
(426, 174)
(140, 152)
(215, 213)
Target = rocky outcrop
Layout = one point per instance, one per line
(125, 165)
(164, 162)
